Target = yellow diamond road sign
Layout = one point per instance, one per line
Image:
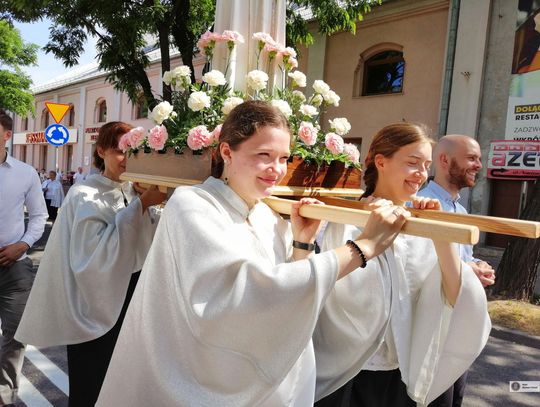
(57, 110)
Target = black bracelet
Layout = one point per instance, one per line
(304, 246)
(357, 249)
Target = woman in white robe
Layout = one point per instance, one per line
(90, 267)
(225, 309)
(431, 323)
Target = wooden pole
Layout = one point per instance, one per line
(505, 226)
(432, 229)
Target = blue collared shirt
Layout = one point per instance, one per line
(448, 204)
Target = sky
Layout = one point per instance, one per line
(47, 66)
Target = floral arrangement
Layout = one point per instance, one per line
(193, 119)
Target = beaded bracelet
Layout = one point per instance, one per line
(357, 249)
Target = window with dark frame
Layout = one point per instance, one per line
(383, 74)
(71, 120)
(24, 124)
(102, 111)
(45, 118)
(141, 108)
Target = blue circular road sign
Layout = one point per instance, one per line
(57, 135)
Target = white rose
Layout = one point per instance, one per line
(198, 101)
(340, 125)
(331, 98)
(299, 95)
(321, 87)
(214, 78)
(181, 71)
(283, 106)
(308, 110)
(257, 80)
(299, 78)
(167, 77)
(317, 100)
(230, 103)
(161, 112)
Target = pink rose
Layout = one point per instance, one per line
(216, 133)
(232, 36)
(199, 137)
(123, 143)
(352, 152)
(307, 133)
(334, 143)
(157, 137)
(136, 137)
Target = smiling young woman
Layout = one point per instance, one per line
(230, 293)
(427, 318)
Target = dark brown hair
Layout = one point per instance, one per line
(386, 142)
(5, 121)
(242, 122)
(108, 137)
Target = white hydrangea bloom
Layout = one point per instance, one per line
(161, 112)
(257, 80)
(198, 101)
(299, 78)
(340, 125)
(214, 78)
(308, 110)
(167, 77)
(331, 98)
(321, 87)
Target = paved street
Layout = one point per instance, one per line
(45, 381)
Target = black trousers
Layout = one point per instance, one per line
(453, 397)
(52, 210)
(88, 361)
(15, 284)
(370, 389)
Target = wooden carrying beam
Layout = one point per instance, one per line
(432, 229)
(505, 226)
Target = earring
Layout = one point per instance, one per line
(226, 181)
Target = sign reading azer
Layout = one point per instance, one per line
(518, 160)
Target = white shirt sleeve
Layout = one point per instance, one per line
(37, 213)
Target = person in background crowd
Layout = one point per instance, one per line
(54, 195)
(19, 188)
(90, 268)
(79, 176)
(457, 162)
(424, 319)
(43, 175)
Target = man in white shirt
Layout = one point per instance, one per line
(456, 159)
(19, 187)
(54, 195)
(79, 176)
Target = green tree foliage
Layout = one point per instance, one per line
(14, 83)
(127, 30)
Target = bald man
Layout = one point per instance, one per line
(456, 160)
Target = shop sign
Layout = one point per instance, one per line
(517, 160)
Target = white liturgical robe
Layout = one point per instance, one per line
(95, 245)
(399, 294)
(219, 318)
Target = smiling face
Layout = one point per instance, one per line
(257, 164)
(115, 162)
(464, 163)
(401, 175)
